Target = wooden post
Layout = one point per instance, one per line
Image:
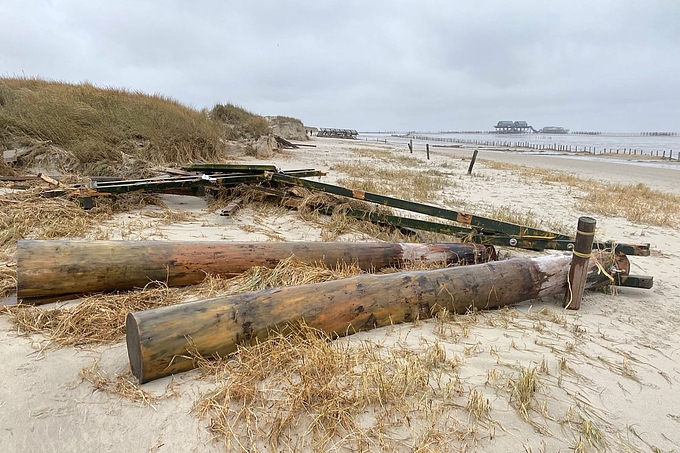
(427, 147)
(410, 146)
(472, 162)
(158, 339)
(578, 271)
(54, 268)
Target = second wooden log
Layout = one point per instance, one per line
(53, 268)
(158, 340)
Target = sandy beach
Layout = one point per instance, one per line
(604, 378)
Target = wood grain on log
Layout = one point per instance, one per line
(158, 340)
(51, 268)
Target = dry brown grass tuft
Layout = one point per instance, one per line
(522, 391)
(409, 184)
(289, 272)
(307, 393)
(637, 203)
(8, 279)
(478, 406)
(27, 215)
(98, 319)
(388, 156)
(123, 385)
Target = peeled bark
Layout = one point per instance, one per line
(158, 340)
(54, 268)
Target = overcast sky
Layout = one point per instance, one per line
(607, 65)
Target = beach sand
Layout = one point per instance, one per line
(605, 376)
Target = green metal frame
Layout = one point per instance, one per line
(229, 168)
(259, 173)
(174, 183)
(482, 230)
(489, 225)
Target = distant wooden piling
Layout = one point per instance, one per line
(410, 146)
(472, 162)
(427, 148)
(578, 271)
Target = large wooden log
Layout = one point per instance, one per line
(52, 268)
(158, 340)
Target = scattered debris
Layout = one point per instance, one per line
(231, 208)
(337, 133)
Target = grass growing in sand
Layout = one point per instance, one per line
(239, 122)
(303, 392)
(408, 184)
(84, 129)
(28, 215)
(636, 203)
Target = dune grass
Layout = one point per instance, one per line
(636, 203)
(239, 122)
(84, 129)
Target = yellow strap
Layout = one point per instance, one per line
(600, 269)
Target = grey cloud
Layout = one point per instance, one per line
(608, 65)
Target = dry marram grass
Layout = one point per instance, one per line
(8, 279)
(637, 203)
(27, 215)
(304, 392)
(409, 184)
(123, 384)
(84, 129)
(100, 319)
(97, 319)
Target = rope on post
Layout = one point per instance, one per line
(578, 272)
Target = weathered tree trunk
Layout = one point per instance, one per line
(158, 340)
(51, 268)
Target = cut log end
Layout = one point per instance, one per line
(134, 347)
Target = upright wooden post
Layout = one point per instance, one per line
(427, 147)
(578, 272)
(472, 162)
(410, 146)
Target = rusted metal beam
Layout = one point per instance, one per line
(434, 211)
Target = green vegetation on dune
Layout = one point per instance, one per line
(239, 122)
(80, 128)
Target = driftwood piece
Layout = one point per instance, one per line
(19, 178)
(50, 268)
(49, 180)
(284, 143)
(232, 207)
(158, 340)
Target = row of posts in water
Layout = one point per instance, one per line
(556, 147)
